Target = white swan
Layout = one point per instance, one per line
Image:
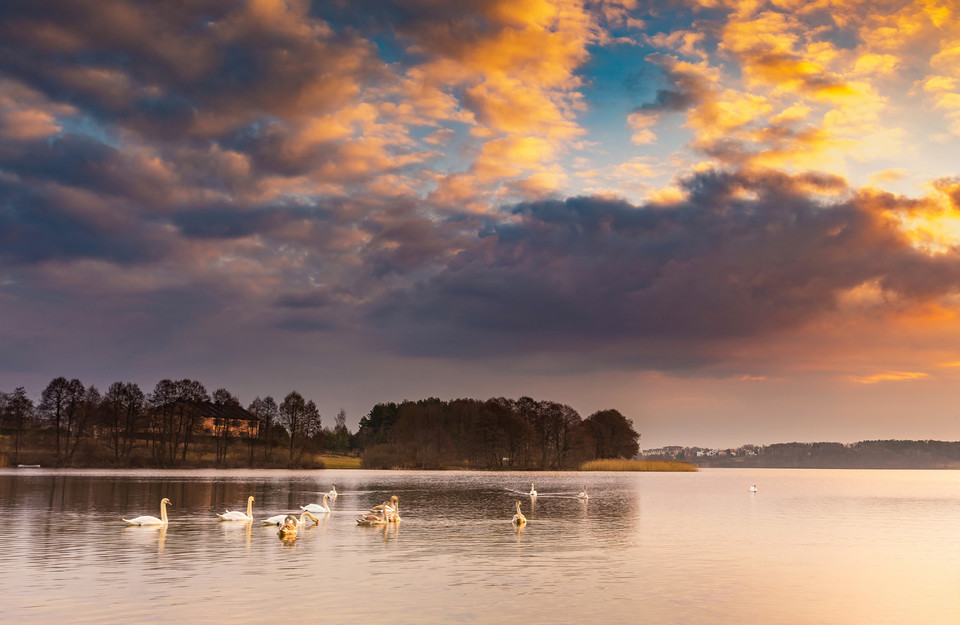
(290, 525)
(753, 488)
(391, 510)
(333, 492)
(276, 519)
(373, 519)
(518, 518)
(533, 491)
(583, 494)
(317, 508)
(392, 506)
(239, 516)
(152, 520)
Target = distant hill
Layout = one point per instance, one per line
(880, 454)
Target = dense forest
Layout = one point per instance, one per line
(180, 424)
(493, 434)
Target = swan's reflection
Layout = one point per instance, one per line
(391, 531)
(520, 529)
(230, 530)
(147, 535)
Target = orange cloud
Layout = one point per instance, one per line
(891, 376)
(516, 84)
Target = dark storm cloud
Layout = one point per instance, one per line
(84, 163)
(39, 224)
(176, 70)
(233, 222)
(744, 256)
(411, 243)
(313, 299)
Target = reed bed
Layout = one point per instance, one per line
(339, 462)
(636, 465)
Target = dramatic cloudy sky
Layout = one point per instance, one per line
(736, 221)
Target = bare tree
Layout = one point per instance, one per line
(189, 394)
(86, 412)
(19, 413)
(313, 428)
(340, 436)
(58, 404)
(268, 414)
(223, 432)
(124, 410)
(175, 417)
(302, 421)
(292, 410)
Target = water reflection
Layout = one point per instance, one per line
(847, 547)
(146, 536)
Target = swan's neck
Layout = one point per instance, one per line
(326, 498)
(163, 511)
(250, 507)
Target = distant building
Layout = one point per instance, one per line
(239, 422)
(210, 418)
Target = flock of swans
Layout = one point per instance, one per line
(387, 512)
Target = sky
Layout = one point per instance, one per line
(735, 221)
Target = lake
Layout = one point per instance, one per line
(811, 546)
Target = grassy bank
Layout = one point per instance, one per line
(339, 462)
(636, 465)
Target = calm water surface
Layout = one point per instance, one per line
(811, 546)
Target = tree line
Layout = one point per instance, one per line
(78, 425)
(496, 433)
(180, 424)
(873, 454)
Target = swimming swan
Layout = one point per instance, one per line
(317, 508)
(373, 519)
(753, 488)
(290, 524)
(533, 491)
(277, 519)
(152, 520)
(239, 516)
(393, 511)
(583, 494)
(333, 492)
(392, 506)
(518, 518)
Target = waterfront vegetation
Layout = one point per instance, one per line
(180, 425)
(339, 462)
(622, 464)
